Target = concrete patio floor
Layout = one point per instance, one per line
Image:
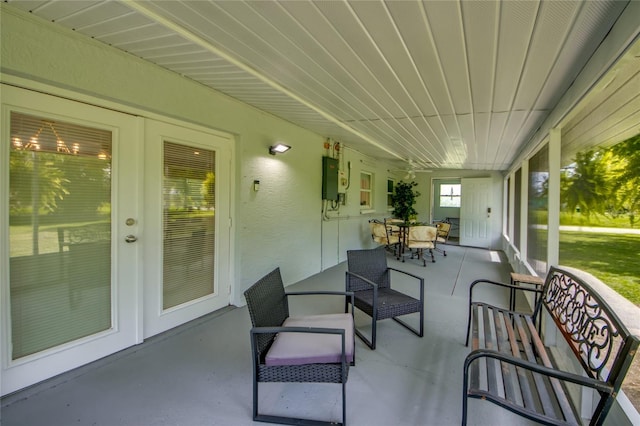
(200, 373)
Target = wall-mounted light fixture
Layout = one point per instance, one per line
(278, 148)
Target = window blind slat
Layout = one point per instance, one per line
(188, 223)
(59, 233)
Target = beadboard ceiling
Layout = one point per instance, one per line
(443, 84)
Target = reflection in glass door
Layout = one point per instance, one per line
(68, 278)
(188, 224)
(59, 233)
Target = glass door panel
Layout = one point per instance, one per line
(59, 232)
(188, 224)
(187, 199)
(70, 192)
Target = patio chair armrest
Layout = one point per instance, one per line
(366, 280)
(255, 331)
(420, 280)
(407, 273)
(323, 293)
(373, 285)
(317, 330)
(303, 293)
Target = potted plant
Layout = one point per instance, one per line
(403, 199)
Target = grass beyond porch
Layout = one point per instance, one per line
(613, 258)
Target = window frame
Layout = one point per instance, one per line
(458, 196)
(369, 191)
(390, 193)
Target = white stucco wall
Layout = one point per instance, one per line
(281, 224)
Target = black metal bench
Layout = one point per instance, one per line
(510, 366)
(83, 234)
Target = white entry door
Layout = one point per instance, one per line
(475, 212)
(71, 198)
(187, 224)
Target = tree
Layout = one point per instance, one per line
(605, 181)
(627, 183)
(88, 184)
(37, 182)
(403, 199)
(208, 190)
(585, 186)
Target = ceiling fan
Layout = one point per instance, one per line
(410, 170)
(411, 174)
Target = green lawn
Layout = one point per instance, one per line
(602, 221)
(613, 258)
(579, 219)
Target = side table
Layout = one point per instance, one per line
(519, 279)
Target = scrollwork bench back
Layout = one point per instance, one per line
(520, 374)
(591, 328)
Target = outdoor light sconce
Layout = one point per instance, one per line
(278, 148)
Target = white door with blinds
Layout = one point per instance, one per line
(70, 196)
(187, 224)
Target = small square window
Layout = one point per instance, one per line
(366, 192)
(450, 195)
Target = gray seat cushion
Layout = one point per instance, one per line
(312, 348)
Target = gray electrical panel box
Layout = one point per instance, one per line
(329, 178)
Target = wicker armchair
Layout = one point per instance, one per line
(310, 348)
(369, 278)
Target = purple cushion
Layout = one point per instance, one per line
(312, 348)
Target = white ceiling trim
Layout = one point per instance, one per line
(139, 7)
(454, 84)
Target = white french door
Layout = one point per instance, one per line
(187, 224)
(71, 198)
(475, 212)
(113, 228)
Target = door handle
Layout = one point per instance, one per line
(131, 238)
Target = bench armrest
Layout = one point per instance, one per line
(514, 286)
(598, 385)
(499, 284)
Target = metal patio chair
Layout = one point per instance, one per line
(443, 236)
(421, 238)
